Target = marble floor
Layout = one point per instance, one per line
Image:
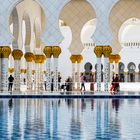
(125, 89)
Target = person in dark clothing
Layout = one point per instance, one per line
(113, 84)
(24, 81)
(45, 85)
(131, 77)
(59, 81)
(10, 85)
(68, 84)
(117, 85)
(52, 85)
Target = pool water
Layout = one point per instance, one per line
(69, 119)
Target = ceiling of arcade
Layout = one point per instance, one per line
(32, 21)
(76, 15)
(121, 12)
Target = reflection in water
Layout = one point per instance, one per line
(115, 104)
(68, 119)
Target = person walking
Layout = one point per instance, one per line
(10, 85)
(59, 82)
(83, 82)
(112, 89)
(117, 85)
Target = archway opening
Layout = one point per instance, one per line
(22, 26)
(131, 72)
(121, 72)
(85, 12)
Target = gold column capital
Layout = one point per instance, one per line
(98, 50)
(79, 58)
(48, 51)
(56, 51)
(10, 70)
(117, 58)
(39, 58)
(43, 58)
(29, 56)
(107, 50)
(5, 51)
(23, 71)
(33, 72)
(111, 58)
(17, 54)
(73, 59)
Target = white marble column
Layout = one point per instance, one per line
(111, 72)
(4, 55)
(48, 52)
(41, 77)
(56, 51)
(116, 67)
(29, 76)
(48, 74)
(55, 74)
(37, 77)
(73, 74)
(17, 81)
(4, 74)
(106, 73)
(98, 50)
(79, 60)
(107, 50)
(98, 73)
(29, 59)
(78, 76)
(17, 54)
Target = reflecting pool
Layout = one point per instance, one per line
(67, 119)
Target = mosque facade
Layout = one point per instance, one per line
(41, 38)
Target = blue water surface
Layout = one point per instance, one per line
(69, 119)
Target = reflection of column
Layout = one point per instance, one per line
(98, 119)
(29, 59)
(56, 52)
(107, 50)
(17, 54)
(98, 50)
(106, 128)
(73, 60)
(55, 119)
(4, 55)
(79, 60)
(48, 53)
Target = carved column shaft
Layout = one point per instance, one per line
(73, 60)
(48, 53)
(79, 59)
(98, 50)
(56, 51)
(29, 59)
(4, 55)
(17, 54)
(107, 50)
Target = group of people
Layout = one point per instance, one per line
(67, 86)
(115, 86)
